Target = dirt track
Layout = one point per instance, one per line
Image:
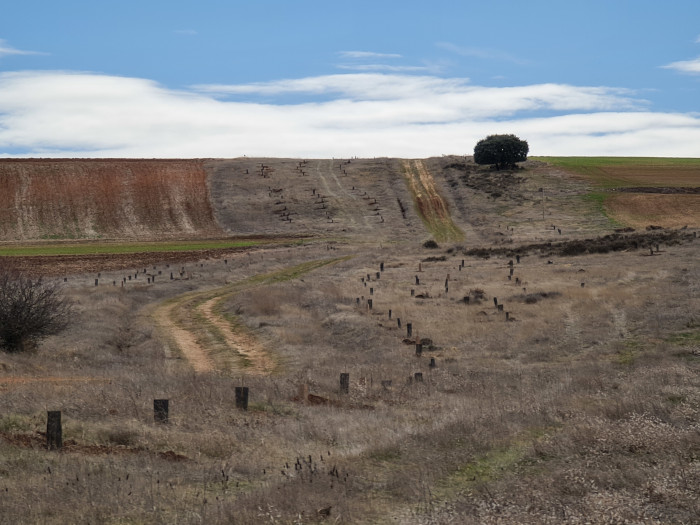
(14, 381)
(183, 339)
(244, 344)
(430, 204)
(209, 340)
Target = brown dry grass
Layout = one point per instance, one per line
(582, 405)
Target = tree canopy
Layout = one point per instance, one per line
(503, 151)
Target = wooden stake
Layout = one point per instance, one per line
(160, 410)
(54, 430)
(242, 397)
(344, 383)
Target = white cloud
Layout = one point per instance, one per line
(6, 50)
(367, 54)
(685, 66)
(356, 63)
(382, 67)
(480, 52)
(453, 94)
(364, 86)
(91, 115)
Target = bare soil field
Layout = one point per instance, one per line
(326, 198)
(106, 198)
(67, 265)
(541, 369)
(658, 175)
(665, 192)
(639, 210)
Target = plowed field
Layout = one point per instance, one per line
(642, 209)
(658, 191)
(105, 198)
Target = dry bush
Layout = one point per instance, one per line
(30, 310)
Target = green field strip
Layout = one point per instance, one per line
(127, 248)
(596, 168)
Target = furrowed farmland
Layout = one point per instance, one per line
(355, 341)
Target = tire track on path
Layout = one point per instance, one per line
(430, 205)
(254, 356)
(194, 323)
(343, 213)
(182, 338)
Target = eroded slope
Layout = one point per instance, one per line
(104, 198)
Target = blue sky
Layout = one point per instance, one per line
(338, 79)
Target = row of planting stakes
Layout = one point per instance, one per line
(418, 376)
(161, 414)
(150, 279)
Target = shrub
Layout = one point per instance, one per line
(30, 309)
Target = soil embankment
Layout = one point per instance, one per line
(104, 199)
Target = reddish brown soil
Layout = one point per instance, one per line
(104, 198)
(667, 210)
(60, 265)
(654, 175)
(38, 440)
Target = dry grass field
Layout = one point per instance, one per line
(556, 379)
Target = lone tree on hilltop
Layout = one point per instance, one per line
(30, 309)
(503, 151)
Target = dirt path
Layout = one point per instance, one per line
(195, 324)
(429, 203)
(182, 338)
(319, 171)
(252, 353)
(348, 218)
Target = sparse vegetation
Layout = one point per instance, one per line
(564, 386)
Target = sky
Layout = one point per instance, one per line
(323, 78)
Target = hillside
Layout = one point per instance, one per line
(105, 198)
(319, 197)
(449, 199)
